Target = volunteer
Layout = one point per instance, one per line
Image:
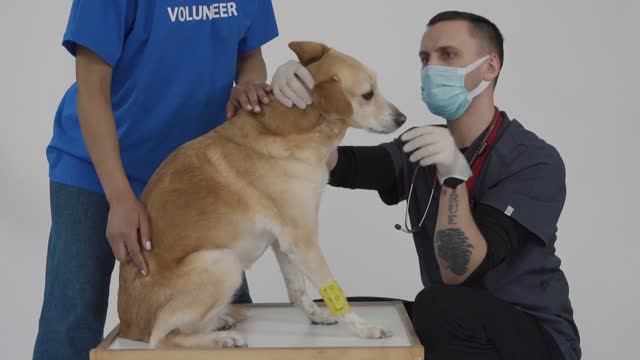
(150, 76)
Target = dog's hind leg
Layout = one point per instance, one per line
(218, 339)
(294, 281)
(203, 285)
(228, 318)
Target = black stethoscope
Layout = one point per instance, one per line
(478, 152)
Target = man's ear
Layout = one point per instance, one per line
(308, 52)
(493, 68)
(331, 99)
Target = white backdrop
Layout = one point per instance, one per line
(570, 75)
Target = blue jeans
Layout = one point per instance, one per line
(78, 274)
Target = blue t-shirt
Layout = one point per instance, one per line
(174, 64)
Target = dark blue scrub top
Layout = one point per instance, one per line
(524, 177)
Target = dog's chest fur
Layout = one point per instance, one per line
(254, 242)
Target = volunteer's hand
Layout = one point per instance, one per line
(288, 85)
(434, 145)
(248, 97)
(127, 216)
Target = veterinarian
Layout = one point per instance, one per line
(150, 77)
(484, 195)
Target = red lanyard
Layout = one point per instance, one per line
(483, 151)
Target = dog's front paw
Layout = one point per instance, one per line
(322, 317)
(373, 332)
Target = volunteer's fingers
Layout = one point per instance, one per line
(119, 250)
(262, 94)
(232, 107)
(242, 98)
(252, 94)
(133, 247)
(145, 231)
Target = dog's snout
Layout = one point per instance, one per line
(399, 118)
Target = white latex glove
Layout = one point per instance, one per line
(288, 88)
(434, 145)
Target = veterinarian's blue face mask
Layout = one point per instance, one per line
(443, 89)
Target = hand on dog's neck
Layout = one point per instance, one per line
(283, 121)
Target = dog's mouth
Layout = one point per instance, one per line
(378, 131)
(389, 128)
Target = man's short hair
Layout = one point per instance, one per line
(480, 27)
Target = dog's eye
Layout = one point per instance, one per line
(368, 96)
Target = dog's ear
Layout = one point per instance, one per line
(331, 99)
(308, 52)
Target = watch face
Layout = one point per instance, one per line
(452, 183)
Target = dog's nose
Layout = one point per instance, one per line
(400, 119)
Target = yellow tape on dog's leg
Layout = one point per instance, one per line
(335, 299)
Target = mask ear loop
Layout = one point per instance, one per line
(480, 88)
(474, 65)
(483, 84)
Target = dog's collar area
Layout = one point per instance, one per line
(329, 122)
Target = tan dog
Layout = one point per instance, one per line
(218, 202)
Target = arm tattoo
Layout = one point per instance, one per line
(453, 207)
(452, 245)
(454, 248)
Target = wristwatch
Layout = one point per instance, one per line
(452, 182)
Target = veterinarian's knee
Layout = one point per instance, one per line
(438, 304)
(430, 302)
